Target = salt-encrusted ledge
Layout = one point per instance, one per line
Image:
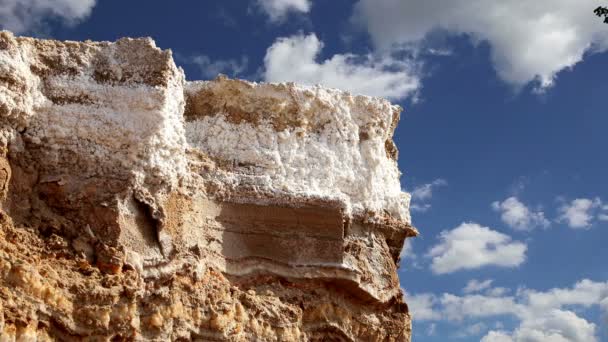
(136, 205)
(309, 141)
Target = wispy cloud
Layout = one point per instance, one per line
(278, 10)
(408, 254)
(474, 329)
(423, 193)
(603, 216)
(475, 285)
(210, 68)
(22, 16)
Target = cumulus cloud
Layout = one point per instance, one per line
(517, 215)
(277, 10)
(580, 213)
(423, 193)
(471, 246)
(475, 285)
(294, 59)
(529, 41)
(22, 16)
(584, 293)
(542, 315)
(555, 326)
(211, 68)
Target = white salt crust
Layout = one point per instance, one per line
(140, 129)
(127, 127)
(20, 103)
(331, 163)
(137, 128)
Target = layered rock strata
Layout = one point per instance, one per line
(139, 206)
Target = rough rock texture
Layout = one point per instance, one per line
(139, 206)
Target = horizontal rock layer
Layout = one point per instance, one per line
(139, 206)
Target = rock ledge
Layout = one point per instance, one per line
(139, 206)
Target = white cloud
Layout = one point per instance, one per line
(277, 10)
(497, 336)
(420, 207)
(407, 253)
(432, 329)
(472, 330)
(497, 291)
(527, 302)
(530, 40)
(421, 306)
(557, 325)
(554, 326)
(210, 68)
(475, 285)
(542, 315)
(584, 293)
(604, 308)
(603, 216)
(22, 16)
(458, 308)
(471, 246)
(579, 213)
(294, 59)
(517, 216)
(424, 193)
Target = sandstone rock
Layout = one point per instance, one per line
(139, 206)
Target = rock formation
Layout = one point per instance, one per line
(139, 206)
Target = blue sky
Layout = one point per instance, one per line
(502, 141)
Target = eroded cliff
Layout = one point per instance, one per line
(139, 206)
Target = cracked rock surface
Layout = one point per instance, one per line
(138, 206)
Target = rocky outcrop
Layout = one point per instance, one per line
(139, 206)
